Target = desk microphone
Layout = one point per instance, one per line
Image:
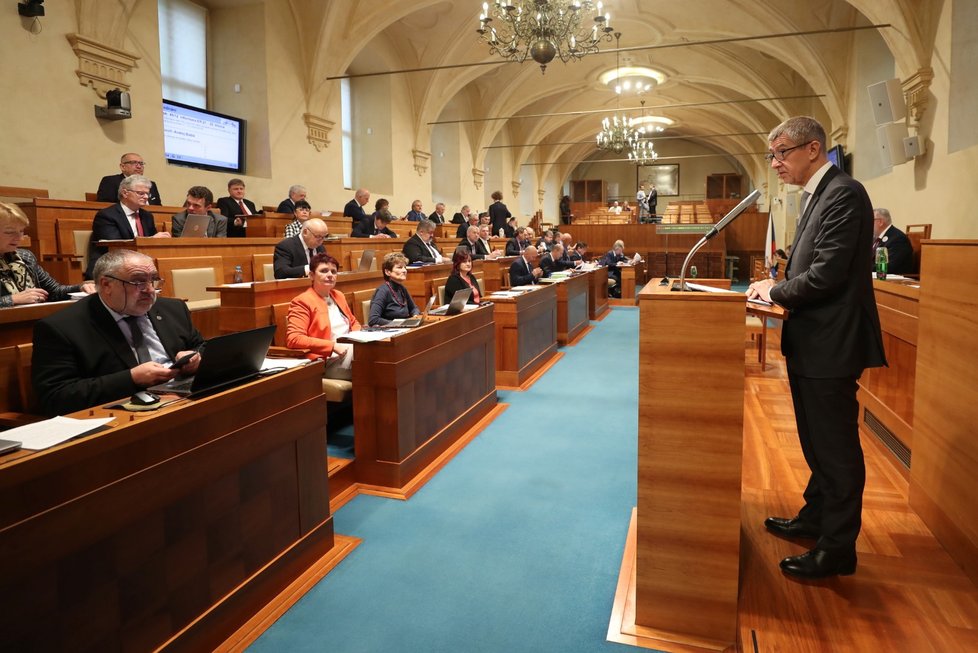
(717, 228)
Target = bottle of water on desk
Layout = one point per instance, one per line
(238, 274)
(882, 262)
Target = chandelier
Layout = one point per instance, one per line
(544, 29)
(640, 150)
(617, 134)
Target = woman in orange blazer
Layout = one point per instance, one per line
(320, 316)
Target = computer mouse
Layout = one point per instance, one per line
(144, 398)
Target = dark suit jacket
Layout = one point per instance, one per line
(108, 190)
(458, 218)
(437, 219)
(482, 248)
(549, 265)
(498, 215)
(456, 283)
(519, 275)
(217, 227)
(462, 229)
(354, 211)
(111, 223)
(290, 259)
(899, 250)
(228, 206)
(367, 228)
(515, 247)
(81, 357)
(833, 330)
(474, 250)
(286, 206)
(417, 251)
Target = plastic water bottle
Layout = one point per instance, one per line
(502, 232)
(692, 271)
(882, 262)
(238, 274)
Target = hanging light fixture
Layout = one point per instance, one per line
(640, 149)
(544, 29)
(617, 132)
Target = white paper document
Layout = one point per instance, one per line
(502, 294)
(524, 288)
(702, 288)
(287, 363)
(372, 336)
(41, 435)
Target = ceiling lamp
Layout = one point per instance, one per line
(633, 80)
(649, 125)
(640, 150)
(616, 132)
(544, 29)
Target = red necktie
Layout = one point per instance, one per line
(139, 224)
(244, 211)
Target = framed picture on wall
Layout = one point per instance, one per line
(664, 176)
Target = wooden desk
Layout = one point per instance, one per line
(416, 394)
(497, 272)
(632, 278)
(572, 307)
(17, 322)
(422, 281)
(597, 297)
(886, 394)
(233, 251)
(526, 334)
(192, 517)
(250, 307)
(346, 250)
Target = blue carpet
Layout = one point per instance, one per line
(515, 545)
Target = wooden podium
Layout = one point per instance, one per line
(679, 581)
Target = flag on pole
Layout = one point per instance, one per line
(771, 245)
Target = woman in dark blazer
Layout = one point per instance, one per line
(22, 280)
(462, 277)
(498, 213)
(391, 300)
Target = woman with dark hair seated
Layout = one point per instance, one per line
(391, 300)
(462, 277)
(319, 316)
(22, 280)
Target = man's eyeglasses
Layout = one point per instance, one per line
(155, 284)
(134, 163)
(781, 154)
(141, 193)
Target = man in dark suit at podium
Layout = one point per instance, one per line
(832, 335)
(236, 208)
(898, 248)
(130, 164)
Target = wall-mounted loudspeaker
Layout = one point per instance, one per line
(913, 146)
(888, 102)
(890, 138)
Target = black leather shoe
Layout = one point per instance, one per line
(820, 563)
(794, 528)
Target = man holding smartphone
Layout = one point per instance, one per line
(111, 344)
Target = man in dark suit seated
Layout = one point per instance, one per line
(130, 164)
(199, 199)
(473, 221)
(471, 243)
(516, 245)
(524, 271)
(237, 209)
(374, 226)
(832, 337)
(354, 208)
(438, 217)
(578, 252)
(546, 241)
(292, 254)
(113, 343)
(898, 247)
(123, 221)
(462, 217)
(555, 261)
(415, 214)
(482, 246)
(287, 205)
(419, 248)
(612, 260)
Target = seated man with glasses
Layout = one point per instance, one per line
(130, 164)
(292, 254)
(123, 221)
(113, 343)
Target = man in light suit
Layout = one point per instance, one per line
(199, 200)
(830, 337)
(123, 221)
(86, 354)
(419, 248)
(524, 270)
(898, 247)
(130, 164)
(292, 254)
(236, 208)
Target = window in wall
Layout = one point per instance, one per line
(183, 51)
(346, 119)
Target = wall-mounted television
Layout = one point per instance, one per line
(837, 155)
(202, 139)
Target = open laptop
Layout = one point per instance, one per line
(366, 259)
(195, 226)
(457, 305)
(225, 360)
(411, 322)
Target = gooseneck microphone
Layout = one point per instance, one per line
(717, 228)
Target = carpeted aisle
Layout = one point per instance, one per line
(515, 545)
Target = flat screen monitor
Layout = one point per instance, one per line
(837, 155)
(202, 139)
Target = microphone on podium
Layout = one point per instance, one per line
(717, 228)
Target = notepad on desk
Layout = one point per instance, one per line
(45, 434)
